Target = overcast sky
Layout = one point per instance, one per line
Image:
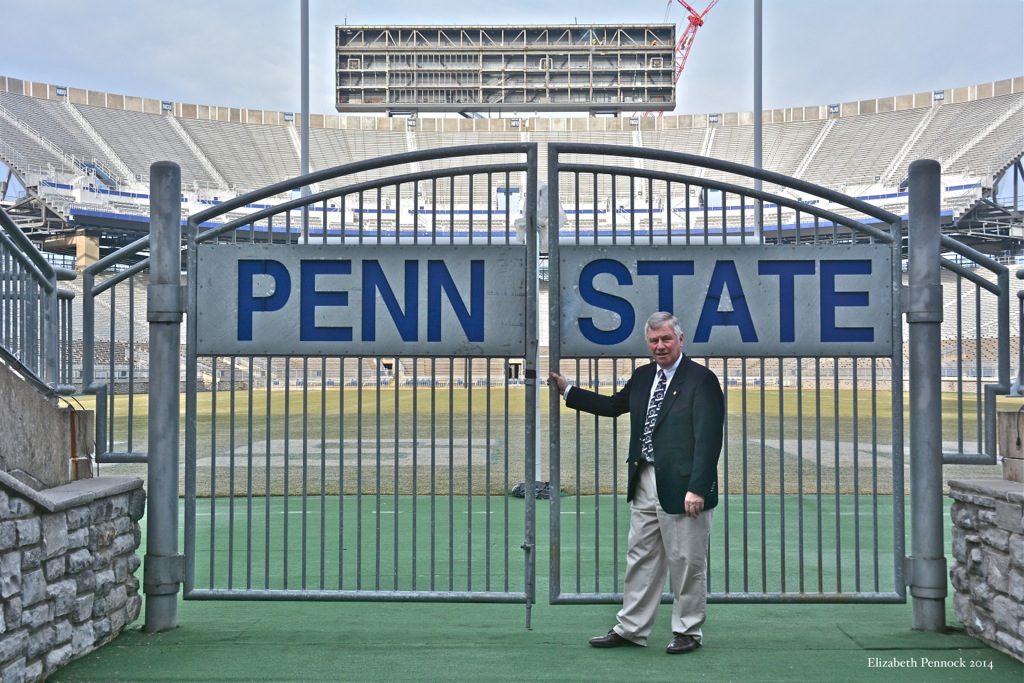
(245, 53)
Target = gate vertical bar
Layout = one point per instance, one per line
(1020, 320)
(927, 573)
(163, 564)
(533, 381)
(554, 360)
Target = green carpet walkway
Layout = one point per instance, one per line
(354, 641)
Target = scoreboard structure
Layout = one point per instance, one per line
(465, 69)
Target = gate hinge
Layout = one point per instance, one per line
(926, 576)
(162, 574)
(165, 303)
(922, 303)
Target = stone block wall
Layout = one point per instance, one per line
(988, 568)
(67, 563)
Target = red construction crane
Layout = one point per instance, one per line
(694, 21)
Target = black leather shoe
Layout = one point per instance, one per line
(681, 644)
(611, 639)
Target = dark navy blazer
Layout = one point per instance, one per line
(687, 436)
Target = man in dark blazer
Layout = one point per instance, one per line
(677, 415)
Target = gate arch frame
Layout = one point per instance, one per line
(196, 237)
(893, 237)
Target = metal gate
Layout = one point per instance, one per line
(812, 466)
(354, 471)
(374, 459)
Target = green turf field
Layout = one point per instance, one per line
(472, 440)
(455, 411)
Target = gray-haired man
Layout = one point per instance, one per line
(676, 418)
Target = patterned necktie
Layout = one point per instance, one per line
(647, 447)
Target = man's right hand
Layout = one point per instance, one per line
(560, 382)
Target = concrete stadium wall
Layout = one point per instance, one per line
(43, 445)
(783, 115)
(67, 564)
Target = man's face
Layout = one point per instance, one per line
(665, 345)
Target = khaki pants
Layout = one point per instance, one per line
(660, 543)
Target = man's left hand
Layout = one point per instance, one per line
(693, 504)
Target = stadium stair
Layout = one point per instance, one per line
(948, 163)
(99, 172)
(815, 146)
(92, 134)
(904, 150)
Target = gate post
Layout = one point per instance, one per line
(163, 570)
(926, 567)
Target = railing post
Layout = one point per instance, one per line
(163, 571)
(50, 336)
(926, 573)
(88, 334)
(30, 329)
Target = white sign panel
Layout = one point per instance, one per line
(737, 301)
(309, 300)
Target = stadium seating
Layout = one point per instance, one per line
(856, 150)
(139, 139)
(248, 156)
(981, 158)
(24, 154)
(224, 152)
(53, 121)
(957, 123)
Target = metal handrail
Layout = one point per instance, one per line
(24, 246)
(1001, 289)
(53, 307)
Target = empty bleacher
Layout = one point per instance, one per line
(858, 149)
(140, 139)
(248, 156)
(334, 147)
(956, 123)
(1003, 142)
(52, 120)
(24, 153)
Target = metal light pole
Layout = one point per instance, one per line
(304, 79)
(304, 114)
(758, 108)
